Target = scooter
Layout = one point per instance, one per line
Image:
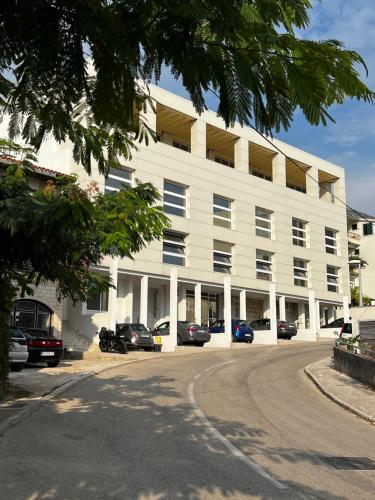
(111, 341)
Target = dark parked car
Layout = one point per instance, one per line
(337, 323)
(43, 347)
(285, 329)
(136, 336)
(241, 331)
(187, 333)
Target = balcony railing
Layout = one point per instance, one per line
(354, 236)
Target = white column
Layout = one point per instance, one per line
(241, 155)
(112, 293)
(312, 313)
(170, 341)
(282, 311)
(301, 316)
(128, 301)
(312, 182)
(198, 303)
(198, 138)
(279, 169)
(317, 314)
(243, 304)
(227, 312)
(182, 303)
(273, 311)
(143, 307)
(345, 308)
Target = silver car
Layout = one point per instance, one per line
(18, 352)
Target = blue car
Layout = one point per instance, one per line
(241, 331)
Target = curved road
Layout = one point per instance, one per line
(234, 424)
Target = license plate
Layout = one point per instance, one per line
(157, 340)
(247, 335)
(201, 331)
(47, 353)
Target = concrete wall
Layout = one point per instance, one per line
(355, 365)
(361, 314)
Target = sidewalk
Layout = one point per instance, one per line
(347, 392)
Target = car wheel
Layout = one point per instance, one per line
(102, 347)
(17, 367)
(53, 364)
(179, 340)
(199, 344)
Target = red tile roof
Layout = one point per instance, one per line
(35, 168)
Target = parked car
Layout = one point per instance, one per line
(337, 323)
(136, 336)
(18, 352)
(43, 347)
(285, 329)
(187, 333)
(241, 331)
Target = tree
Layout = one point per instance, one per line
(57, 233)
(246, 51)
(354, 292)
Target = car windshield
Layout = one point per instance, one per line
(241, 323)
(347, 328)
(139, 327)
(15, 333)
(36, 333)
(185, 324)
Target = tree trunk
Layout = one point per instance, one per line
(6, 296)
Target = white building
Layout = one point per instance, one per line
(253, 233)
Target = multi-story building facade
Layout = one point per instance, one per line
(254, 232)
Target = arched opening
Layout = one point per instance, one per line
(31, 314)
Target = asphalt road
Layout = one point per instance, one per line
(234, 424)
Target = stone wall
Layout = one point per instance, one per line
(355, 365)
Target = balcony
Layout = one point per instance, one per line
(173, 128)
(354, 237)
(220, 146)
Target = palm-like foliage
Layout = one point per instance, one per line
(244, 50)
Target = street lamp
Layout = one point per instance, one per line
(359, 262)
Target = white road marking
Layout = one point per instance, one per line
(230, 447)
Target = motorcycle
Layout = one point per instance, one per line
(111, 341)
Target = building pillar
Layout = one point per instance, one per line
(301, 316)
(112, 293)
(312, 182)
(227, 311)
(128, 301)
(282, 312)
(279, 169)
(143, 307)
(170, 341)
(182, 303)
(150, 117)
(312, 313)
(198, 303)
(198, 138)
(273, 312)
(243, 304)
(345, 308)
(241, 155)
(339, 190)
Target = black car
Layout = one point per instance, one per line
(43, 347)
(187, 333)
(136, 336)
(285, 329)
(337, 323)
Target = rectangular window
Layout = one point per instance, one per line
(98, 302)
(301, 276)
(368, 229)
(174, 199)
(332, 279)
(263, 222)
(174, 248)
(261, 175)
(118, 178)
(264, 265)
(331, 241)
(299, 231)
(222, 257)
(222, 211)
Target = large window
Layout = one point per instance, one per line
(222, 211)
(117, 179)
(98, 302)
(264, 265)
(299, 232)
(174, 248)
(301, 276)
(332, 278)
(331, 241)
(222, 257)
(263, 222)
(174, 199)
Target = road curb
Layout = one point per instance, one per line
(335, 398)
(41, 401)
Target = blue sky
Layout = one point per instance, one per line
(351, 141)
